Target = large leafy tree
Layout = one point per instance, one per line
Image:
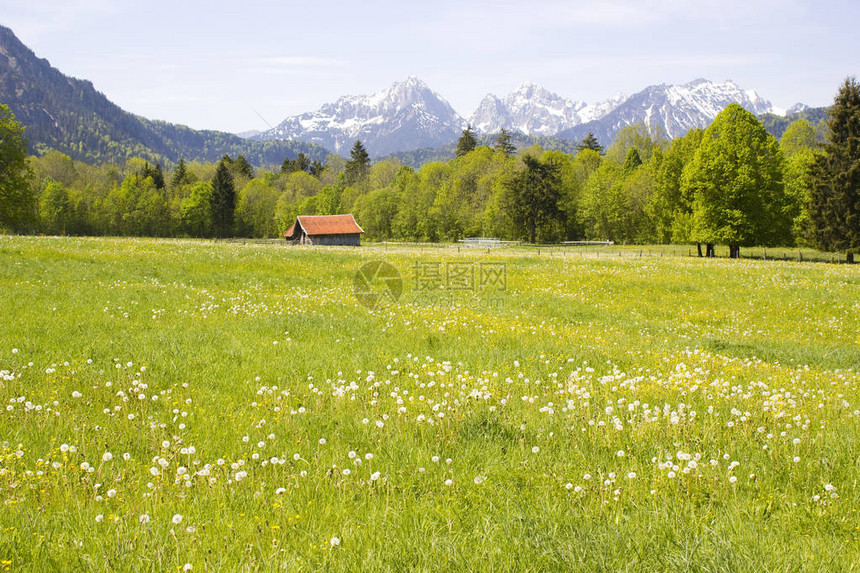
(798, 144)
(834, 194)
(55, 210)
(735, 180)
(534, 195)
(196, 211)
(467, 142)
(223, 200)
(670, 208)
(17, 203)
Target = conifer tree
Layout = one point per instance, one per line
(589, 142)
(358, 165)
(223, 200)
(467, 142)
(834, 205)
(533, 195)
(504, 144)
(155, 173)
(180, 175)
(242, 167)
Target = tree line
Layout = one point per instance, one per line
(731, 184)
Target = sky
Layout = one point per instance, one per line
(240, 66)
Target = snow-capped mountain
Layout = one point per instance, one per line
(673, 108)
(533, 110)
(408, 115)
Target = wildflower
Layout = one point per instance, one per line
(177, 519)
(100, 518)
(107, 456)
(620, 453)
(375, 476)
(143, 519)
(187, 567)
(449, 482)
(733, 479)
(111, 493)
(478, 480)
(335, 541)
(535, 449)
(280, 491)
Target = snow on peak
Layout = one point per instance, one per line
(404, 116)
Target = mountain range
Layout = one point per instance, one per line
(407, 120)
(409, 116)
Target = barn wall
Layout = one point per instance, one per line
(353, 239)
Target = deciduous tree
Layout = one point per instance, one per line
(17, 203)
(735, 179)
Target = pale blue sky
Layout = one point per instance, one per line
(212, 67)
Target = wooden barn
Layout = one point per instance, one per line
(325, 230)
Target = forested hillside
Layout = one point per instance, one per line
(69, 115)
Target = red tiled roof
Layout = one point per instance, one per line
(326, 225)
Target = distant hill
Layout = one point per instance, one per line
(69, 115)
(777, 124)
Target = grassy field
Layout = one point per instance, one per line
(175, 404)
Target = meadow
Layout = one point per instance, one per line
(170, 405)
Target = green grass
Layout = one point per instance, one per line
(603, 365)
